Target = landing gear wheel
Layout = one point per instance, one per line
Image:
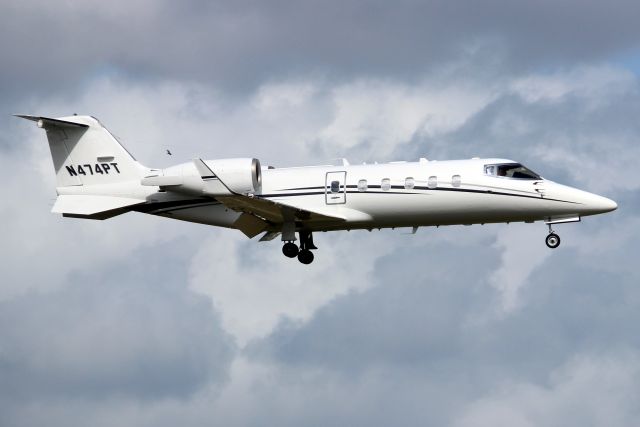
(305, 256)
(290, 250)
(553, 240)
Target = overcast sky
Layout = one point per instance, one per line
(144, 321)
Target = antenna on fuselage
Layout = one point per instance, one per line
(344, 161)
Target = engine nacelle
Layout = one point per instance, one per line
(228, 176)
(241, 176)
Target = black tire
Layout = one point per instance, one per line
(305, 257)
(290, 250)
(553, 240)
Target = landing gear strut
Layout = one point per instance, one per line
(552, 240)
(303, 253)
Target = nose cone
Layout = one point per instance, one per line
(595, 204)
(579, 202)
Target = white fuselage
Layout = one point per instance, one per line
(424, 193)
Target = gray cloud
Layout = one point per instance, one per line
(46, 47)
(434, 328)
(438, 314)
(575, 137)
(131, 329)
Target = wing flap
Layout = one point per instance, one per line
(250, 225)
(275, 211)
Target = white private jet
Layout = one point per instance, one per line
(97, 178)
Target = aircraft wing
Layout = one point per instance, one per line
(275, 211)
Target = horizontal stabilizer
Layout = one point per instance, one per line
(96, 207)
(45, 122)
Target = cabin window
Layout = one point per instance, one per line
(335, 186)
(456, 180)
(409, 183)
(386, 184)
(510, 170)
(362, 185)
(432, 182)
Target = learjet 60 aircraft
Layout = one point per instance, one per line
(97, 178)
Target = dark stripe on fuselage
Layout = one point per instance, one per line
(399, 187)
(317, 193)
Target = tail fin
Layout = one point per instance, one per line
(85, 153)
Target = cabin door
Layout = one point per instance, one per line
(335, 189)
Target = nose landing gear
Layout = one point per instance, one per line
(303, 253)
(552, 240)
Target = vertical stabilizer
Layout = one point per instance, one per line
(85, 153)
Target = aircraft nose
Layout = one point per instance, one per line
(599, 204)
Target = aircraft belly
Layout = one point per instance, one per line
(453, 207)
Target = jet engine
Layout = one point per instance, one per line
(223, 178)
(241, 176)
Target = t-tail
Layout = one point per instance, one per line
(96, 177)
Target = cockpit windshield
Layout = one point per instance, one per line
(510, 170)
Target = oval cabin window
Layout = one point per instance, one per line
(409, 183)
(386, 184)
(433, 182)
(362, 185)
(456, 180)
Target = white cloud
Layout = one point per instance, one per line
(40, 250)
(601, 163)
(383, 114)
(253, 285)
(588, 390)
(523, 251)
(594, 84)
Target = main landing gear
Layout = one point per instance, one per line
(303, 253)
(552, 240)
